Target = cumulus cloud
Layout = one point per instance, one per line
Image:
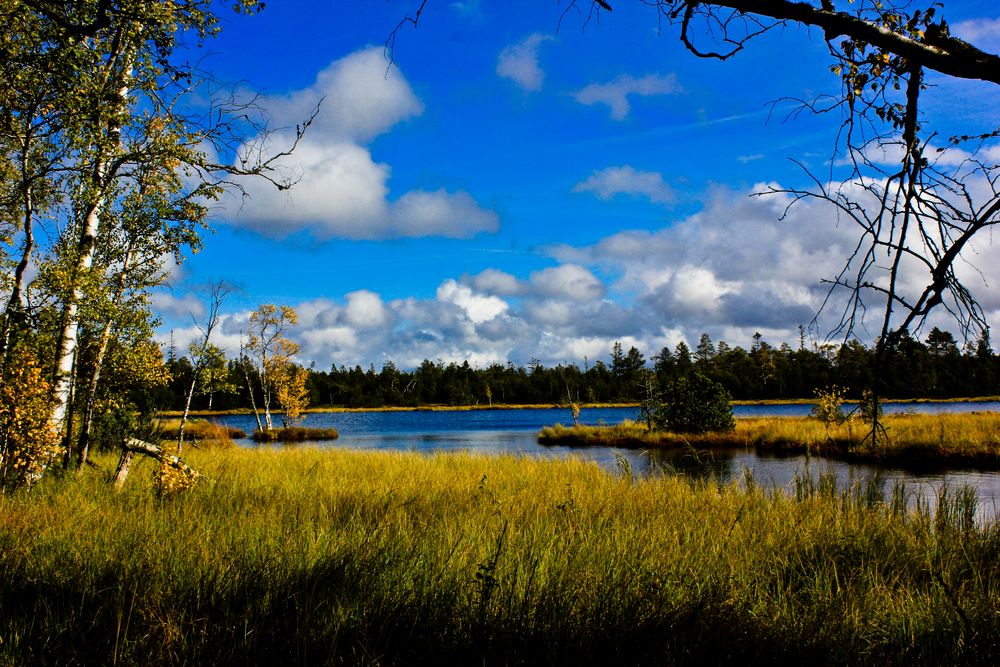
(494, 281)
(185, 306)
(889, 153)
(340, 189)
(365, 310)
(731, 269)
(519, 63)
(420, 213)
(478, 307)
(615, 94)
(606, 183)
(568, 281)
(982, 32)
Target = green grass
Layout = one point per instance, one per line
(910, 440)
(311, 557)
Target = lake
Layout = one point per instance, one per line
(514, 432)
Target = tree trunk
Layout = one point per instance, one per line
(100, 181)
(187, 411)
(253, 401)
(83, 444)
(14, 305)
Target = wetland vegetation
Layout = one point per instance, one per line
(911, 440)
(309, 556)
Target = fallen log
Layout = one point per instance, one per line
(133, 446)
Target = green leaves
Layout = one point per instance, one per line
(693, 404)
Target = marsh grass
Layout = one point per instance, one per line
(202, 431)
(913, 440)
(295, 434)
(309, 556)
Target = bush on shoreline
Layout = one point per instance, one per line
(693, 404)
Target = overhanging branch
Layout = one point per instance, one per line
(939, 51)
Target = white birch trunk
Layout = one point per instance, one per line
(100, 184)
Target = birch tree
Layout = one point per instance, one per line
(114, 122)
(202, 352)
(270, 352)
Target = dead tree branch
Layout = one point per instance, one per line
(133, 446)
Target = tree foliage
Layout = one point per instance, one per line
(270, 353)
(113, 143)
(28, 444)
(693, 404)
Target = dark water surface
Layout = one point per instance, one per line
(515, 431)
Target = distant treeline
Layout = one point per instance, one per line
(935, 368)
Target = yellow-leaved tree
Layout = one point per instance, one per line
(291, 392)
(28, 441)
(267, 355)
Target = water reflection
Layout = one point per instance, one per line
(693, 463)
(803, 476)
(514, 432)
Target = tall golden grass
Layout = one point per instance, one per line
(201, 431)
(308, 556)
(961, 439)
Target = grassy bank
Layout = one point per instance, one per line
(201, 431)
(911, 440)
(295, 434)
(308, 557)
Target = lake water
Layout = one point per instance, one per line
(515, 431)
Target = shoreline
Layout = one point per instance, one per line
(554, 406)
(912, 442)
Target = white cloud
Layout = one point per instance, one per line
(479, 308)
(731, 269)
(365, 310)
(698, 287)
(982, 32)
(607, 183)
(340, 190)
(185, 307)
(519, 62)
(439, 213)
(360, 97)
(615, 93)
(493, 281)
(889, 152)
(568, 281)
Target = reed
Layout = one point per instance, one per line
(295, 434)
(202, 431)
(913, 440)
(308, 556)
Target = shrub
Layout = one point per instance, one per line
(829, 407)
(693, 404)
(28, 442)
(869, 407)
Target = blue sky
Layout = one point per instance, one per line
(525, 184)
